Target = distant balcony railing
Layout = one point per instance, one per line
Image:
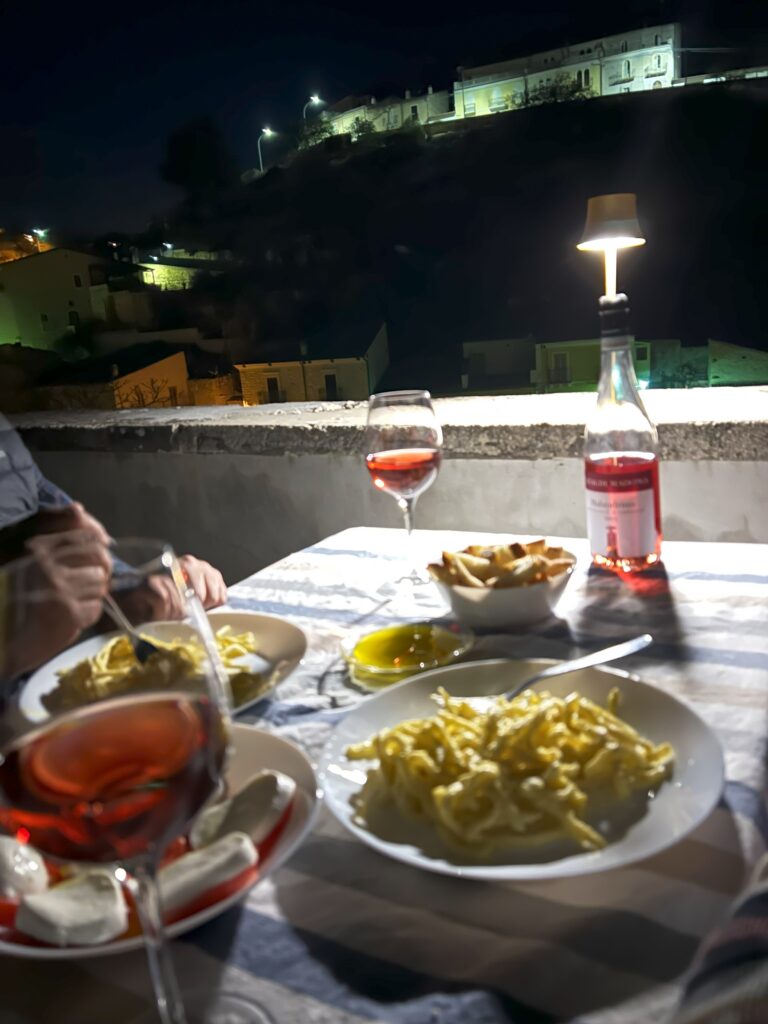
(496, 106)
(620, 77)
(654, 70)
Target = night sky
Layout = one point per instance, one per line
(91, 90)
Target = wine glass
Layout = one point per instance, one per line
(403, 440)
(117, 771)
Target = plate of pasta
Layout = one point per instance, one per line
(586, 772)
(257, 652)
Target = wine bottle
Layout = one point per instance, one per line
(621, 456)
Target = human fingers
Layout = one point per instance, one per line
(166, 599)
(86, 583)
(72, 548)
(84, 520)
(68, 517)
(195, 576)
(215, 585)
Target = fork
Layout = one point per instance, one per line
(142, 648)
(560, 668)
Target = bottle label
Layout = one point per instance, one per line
(621, 509)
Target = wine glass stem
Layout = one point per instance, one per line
(407, 507)
(169, 1005)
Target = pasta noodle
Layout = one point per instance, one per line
(114, 669)
(519, 774)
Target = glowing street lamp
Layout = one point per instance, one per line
(611, 225)
(266, 133)
(39, 234)
(313, 101)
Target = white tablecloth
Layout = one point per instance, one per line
(341, 934)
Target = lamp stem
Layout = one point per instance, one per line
(611, 259)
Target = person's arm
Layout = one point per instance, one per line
(49, 496)
(728, 983)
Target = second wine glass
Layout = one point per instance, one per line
(119, 770)
(403, 443)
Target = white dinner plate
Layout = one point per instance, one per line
(281, 646)
(681, 804)
(253, 751)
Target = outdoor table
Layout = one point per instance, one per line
(342, 934)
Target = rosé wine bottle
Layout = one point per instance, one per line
(621, 456)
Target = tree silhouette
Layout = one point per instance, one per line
(311, 133)
(362, 128)
(563, 88)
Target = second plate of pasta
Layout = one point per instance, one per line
(257, 651)
(591, 771)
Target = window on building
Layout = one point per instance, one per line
(414, 112)
(331, 387)
(624, 46)
(641, 353)
(657, 60)
(273, 389)
(627, 68)
(173, 394)
(657, 85)
(497, 102)
(44, 321)
(657, 40)
(78, 281)
(586, 78)
(560, 373)
(579, 79)
(469, 105)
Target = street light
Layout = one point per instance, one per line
(265, 133)
(313, 101)
(39, 234)
(611, 225)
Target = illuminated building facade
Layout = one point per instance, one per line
(636, 61)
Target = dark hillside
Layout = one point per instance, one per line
(471, 234)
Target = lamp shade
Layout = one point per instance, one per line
(611, 223)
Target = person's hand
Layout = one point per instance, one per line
(14, 539)
(52, 596)
(66, 518)
(159, 598)
(207, 582)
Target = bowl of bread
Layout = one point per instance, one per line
(502, 586)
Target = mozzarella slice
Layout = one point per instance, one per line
(85, 911)
(22, 869)
(196, 873)
(255, 810)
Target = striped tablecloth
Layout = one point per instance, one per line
(341, 934)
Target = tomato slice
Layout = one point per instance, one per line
(266, 846)
(174, 850)
(8, 908)
(215, 895)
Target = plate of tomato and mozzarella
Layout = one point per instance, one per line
(273, 800)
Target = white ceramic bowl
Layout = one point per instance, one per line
(507, 607)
